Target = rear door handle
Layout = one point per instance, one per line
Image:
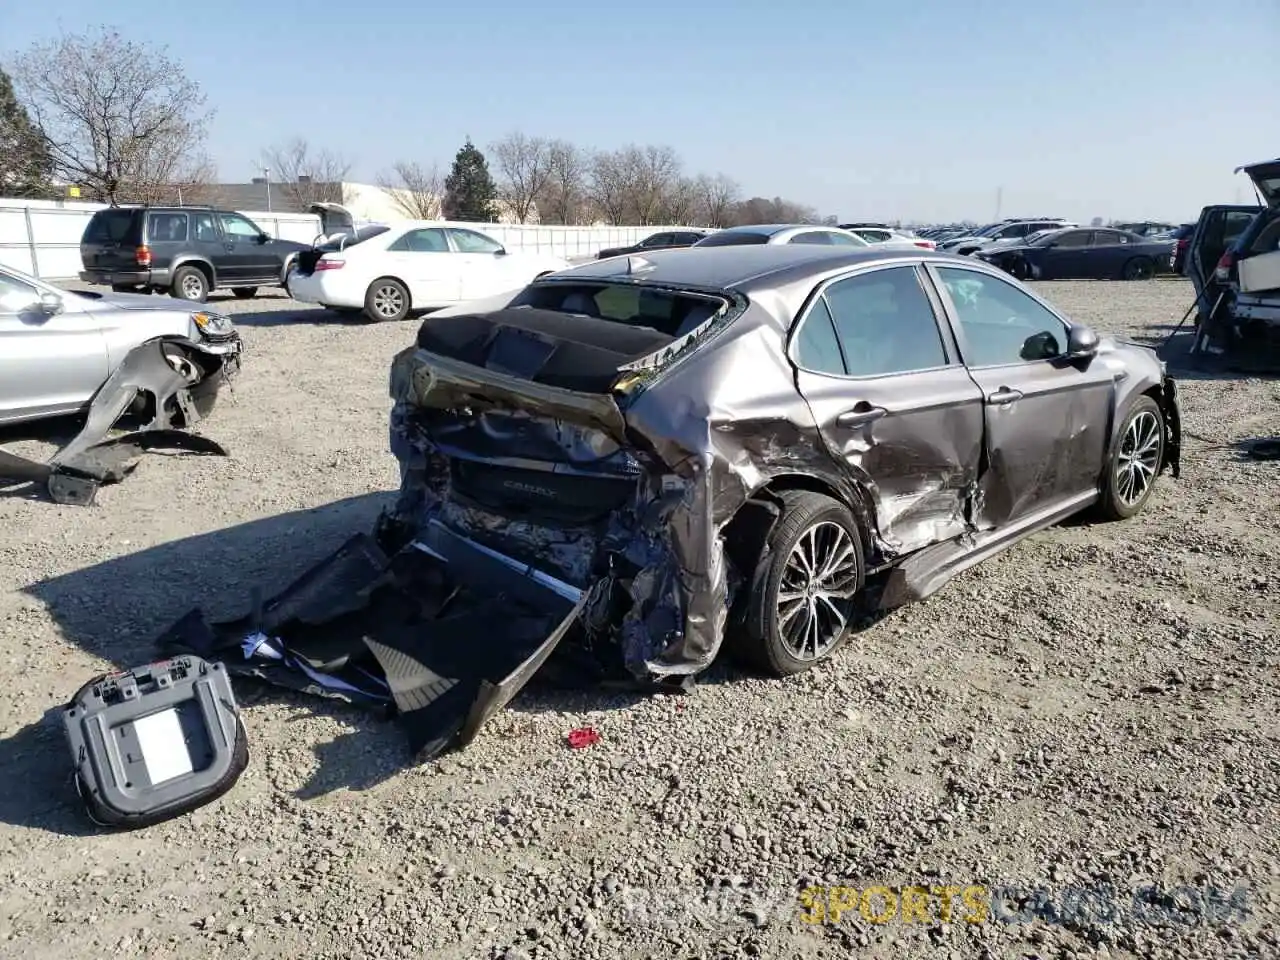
(1004, 395)
(862, 413)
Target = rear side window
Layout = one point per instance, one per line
(113, 226)
(813, 236)
(430, 240)
(817, 348)
(885, 323)
(166, 227)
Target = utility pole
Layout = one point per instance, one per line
(266, 175)
(999, 202)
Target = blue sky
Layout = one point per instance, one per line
(920, 109)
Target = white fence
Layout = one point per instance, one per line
(42, 237)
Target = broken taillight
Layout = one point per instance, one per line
(1222, 272)
(323, 264)
(143, 256)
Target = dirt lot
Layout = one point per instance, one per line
(1095, 709)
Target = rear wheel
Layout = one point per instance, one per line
(805, 587)
(1135, 462)
(190, 283)
(1139, 268)
(387, 299)
(244, 293)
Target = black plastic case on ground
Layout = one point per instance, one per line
(155, 742)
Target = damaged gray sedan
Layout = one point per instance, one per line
(752, 444)
(618, 469)
(108, 356)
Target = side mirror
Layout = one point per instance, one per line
(50, 304)
(500, 252)
(1082, 341)
(264, 238)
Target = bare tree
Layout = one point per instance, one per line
(650, 174)
(118, 118)
(415, 190)
(306, 176)
(524, 169)
(717, 196)
(681, 202)
(611, 185)
(565, 195)
(777, 210)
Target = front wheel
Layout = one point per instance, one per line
(805, 587)
(386, 299)
(1018, 269)
(1135, 461)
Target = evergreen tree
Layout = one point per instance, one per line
(25, 167)
(469, 190)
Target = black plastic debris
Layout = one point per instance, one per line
(441, 635)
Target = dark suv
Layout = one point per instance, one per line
(187, 251)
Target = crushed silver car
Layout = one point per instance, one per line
(108, 356)
(745, 445)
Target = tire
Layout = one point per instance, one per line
(190, 283)
(1018, 269)
(1134, 461)
(777, 641)
(386, 300)
(244, 293)
(1139, 268)
(128, 288)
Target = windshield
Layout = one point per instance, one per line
(1041, 238)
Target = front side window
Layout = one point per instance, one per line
(430, 240)
(657, 240)
(1001, 323)
(468, 241)
(240, 228)
(885, 323)
(1073, 238)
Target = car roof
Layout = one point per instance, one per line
(738, 267)
(769, 229)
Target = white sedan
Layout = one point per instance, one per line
(894, 239)
(413, 265)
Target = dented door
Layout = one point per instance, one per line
(892, 401)
(1046, 418)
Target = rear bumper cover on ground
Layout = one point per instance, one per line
(441, 634)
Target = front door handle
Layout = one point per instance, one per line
(1004, 395)
(862, 413)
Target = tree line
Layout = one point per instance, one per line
(119, 119)
(555, 181)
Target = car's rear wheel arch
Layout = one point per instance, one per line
(746, 531)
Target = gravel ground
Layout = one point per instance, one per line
(1096, 707)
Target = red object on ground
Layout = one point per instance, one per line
(583, 737)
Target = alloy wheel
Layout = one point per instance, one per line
(1138, 459)
(816, 592)
(387, 301)
(192, 286)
